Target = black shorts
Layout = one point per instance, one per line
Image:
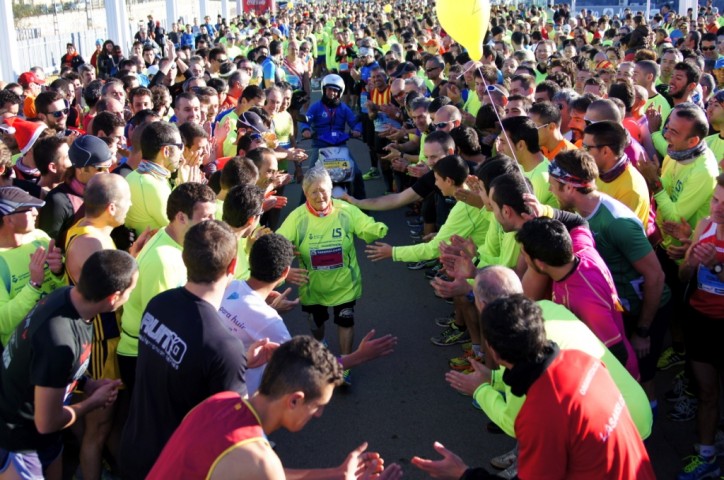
(703, 336)
(343, 314)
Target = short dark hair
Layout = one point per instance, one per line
(509, 190)
(547, 111)
(251, 92)
(8, 96)
(548, 86)
(466, 140)
(624, 91)
(453, 167)
(442, 138)
(105, 273)
(269, 257)
(495, 166)
(609, 133)
(692, 112)
(238, 171)
(45, 152)
(513, 326)
(92, 92)
(155, 136)
(693, 74)
(241, 203)
(257, 155)
(139, 92)
(106, 122)
(185, 197)
(301, 364)
(190, 131)
(526, 81)
(547, 240)
(522, 128)
(45, 99)
(209, 249)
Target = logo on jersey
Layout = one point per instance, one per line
(162, 340)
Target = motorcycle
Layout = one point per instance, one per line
(337, 159)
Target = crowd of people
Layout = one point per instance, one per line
(564, 194)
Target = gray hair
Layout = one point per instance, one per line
(494, 282)
(418, 82)
(314, 176)
(566, 95)
(420, 102)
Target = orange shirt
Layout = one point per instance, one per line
(563, 146)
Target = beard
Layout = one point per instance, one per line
(331, 103)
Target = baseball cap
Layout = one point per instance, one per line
(89, 151)
(404, 68)
(25, 79)
(366, 52)
(253, 121)
(276, 31)
(13, 199)
(99, 41)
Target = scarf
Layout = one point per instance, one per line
(524, 374)
(690, 154)
(154, 169)
(77, 187)
(615, 171)
(317, 213)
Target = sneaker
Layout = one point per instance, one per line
(371, 174)
(684, 410)
(678, 388)
(450, 336)
(501, 462)
(445, 321)
(415, 222)
(432, 273)
(347, 378)
(510, 472)
(422, 264)
(416, 231)
(670, 358)
(699, 467)
(462, 363)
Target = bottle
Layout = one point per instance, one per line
(363, 97)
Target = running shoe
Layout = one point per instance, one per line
(445, 321)
(347, 378)
(505, 460)
(510, 472)
(422, 264)
(684, 410)
(371, 174)
(462, 363)
(432, 273)
(679, 388)
(670, 358)
(415, 222)
(451, 336)
(699, 468)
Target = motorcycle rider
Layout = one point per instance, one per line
(325, 124)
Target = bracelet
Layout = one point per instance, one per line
(35, 285)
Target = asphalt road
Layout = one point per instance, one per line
(400, 404)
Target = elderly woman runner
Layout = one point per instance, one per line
(323, 231)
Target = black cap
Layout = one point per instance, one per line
(88, 151)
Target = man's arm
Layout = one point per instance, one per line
(385, 202)
(78, 252)
(257, 459)
(52, 416)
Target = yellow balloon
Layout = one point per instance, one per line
(387, 8)
(466, 21)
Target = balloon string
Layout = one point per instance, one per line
(500, 123)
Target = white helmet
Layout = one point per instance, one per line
(334, 81)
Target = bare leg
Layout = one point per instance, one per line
(707, 417)
(98, 425)
(346, 339)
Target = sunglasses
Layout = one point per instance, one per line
(432, 69)
(542, 126)
(256, 137)
(60, 113)
(441, 124)
(180, 146)
(588, 148)
(708, 49)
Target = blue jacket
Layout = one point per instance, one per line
(322, 119)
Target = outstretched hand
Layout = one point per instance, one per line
(260, 352)
(449, 467)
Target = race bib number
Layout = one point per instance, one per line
(336, 164)
(327, 258)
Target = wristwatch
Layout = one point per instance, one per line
(717, 269)
(642, 332)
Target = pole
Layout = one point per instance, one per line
(9, 63)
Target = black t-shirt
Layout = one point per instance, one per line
(50, 348)
(185, 355)
(425, 185)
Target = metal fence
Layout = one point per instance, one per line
(46, 51)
